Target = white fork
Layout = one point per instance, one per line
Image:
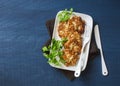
(81, 63)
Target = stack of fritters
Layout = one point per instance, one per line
(72, 30)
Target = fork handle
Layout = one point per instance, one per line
(78, 72)
(79, 69)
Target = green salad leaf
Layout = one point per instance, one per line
(65, 15)
(54, 50)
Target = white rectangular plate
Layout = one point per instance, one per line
(84, 56)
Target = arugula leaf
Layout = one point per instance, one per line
(54, 50)
(45, 49)
(65, 15)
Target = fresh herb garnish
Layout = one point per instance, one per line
(54, 50)
(65, 15)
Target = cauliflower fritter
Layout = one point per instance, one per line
(72, 30)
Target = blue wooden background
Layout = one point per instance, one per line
(23, 33)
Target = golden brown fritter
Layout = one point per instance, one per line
(72, 30)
